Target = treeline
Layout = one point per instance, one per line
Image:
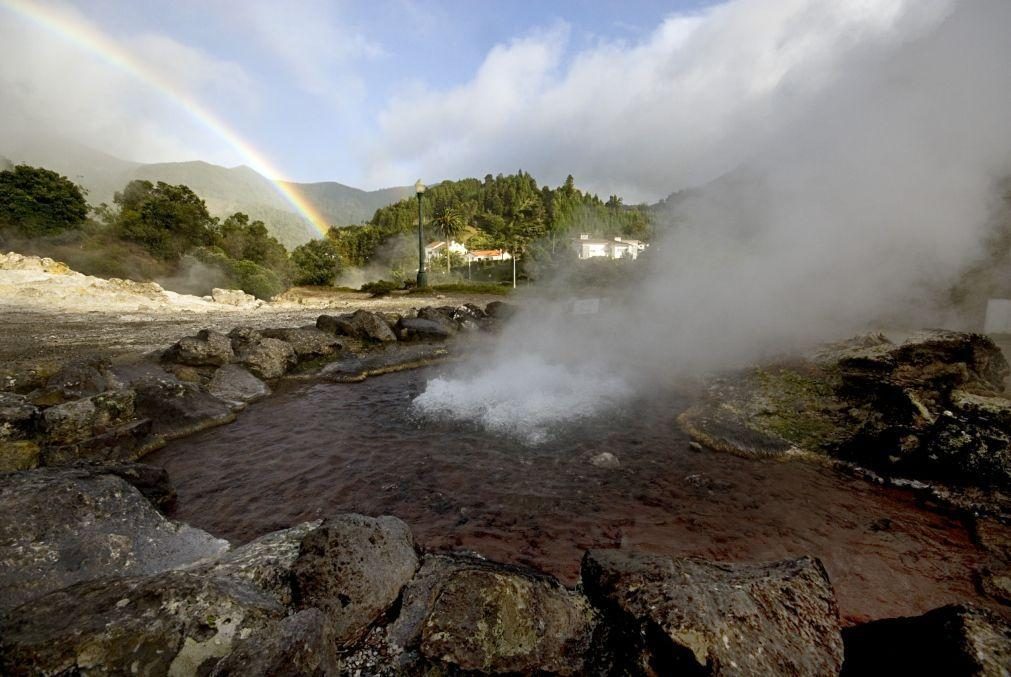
(508, 212)
(151, 231)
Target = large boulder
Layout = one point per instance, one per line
(234, 297)
(236, 387)
(462, 613)
(267, 358)
(353, 568)
(300, 645)
(174, 623)
(74, 380)
(267, 561)
(178, 408)
(207, 349)
(699, 617)
(360, 324)
(65, 525)
(102, 427)
(309, 343)
(951, 640)
(500, 310)
(418, 329)
(441, 316)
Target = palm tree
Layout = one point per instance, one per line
(449, 223)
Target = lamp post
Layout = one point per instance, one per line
(419, 189)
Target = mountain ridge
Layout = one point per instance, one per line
(225, 189)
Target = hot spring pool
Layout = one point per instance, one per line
(316, 449)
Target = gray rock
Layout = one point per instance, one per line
(353, 568)
(500, 310)
(235, 386)
(77, 379)
(177, 408)
(266, 562)
(301, 645)
(951, 640)
(207, 349)
(441, 316)
(73, 524)
(309, 344)
(82, 419)
(415, 328)
(360, 324)
(244, 336)
(267, 358)
(174, 623)
(465, 613)
(18, 417)
(605, 460)
(698, 617)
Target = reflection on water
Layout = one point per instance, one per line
(328, 448)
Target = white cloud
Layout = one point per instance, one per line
(690, 101)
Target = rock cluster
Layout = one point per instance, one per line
(91, 411)
(101, 583)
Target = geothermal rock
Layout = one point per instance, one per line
(353, 568)
(413, 328)
(309, 344)
(441, 316)
(18, 419)
(266, 562)
(267, 358)
(360, 324)
(234, 297)
(67, 525)
(174, 623)
(698, 617)
(75, 380)
(465, 613)
(951, 640)
(82, 419)
(177, 408)
(207, 349)
(235, 386)
(930, 408)
(150, 480)
(605, 460)
(500, 310)
(302, 644)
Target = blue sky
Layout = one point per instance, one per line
(637, 97)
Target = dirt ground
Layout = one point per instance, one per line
(32, 334)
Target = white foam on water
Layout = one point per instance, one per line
(525, 398)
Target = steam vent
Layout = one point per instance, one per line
(351, 339)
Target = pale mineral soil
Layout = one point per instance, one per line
(44, 329)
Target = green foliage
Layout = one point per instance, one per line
(38, 202)
(167, 221)
(248, 276)
(316, 262)
(251, 241)
(510, 212)
(381, 287)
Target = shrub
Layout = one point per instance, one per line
(380, 287)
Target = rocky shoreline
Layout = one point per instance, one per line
(96, 580)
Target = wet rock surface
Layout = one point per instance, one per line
(699, 617)
(465, 613)
(302, 644)
(74, 524)
(951, 640)
(360, 324)
(308, 343)
(236, 387)
(353, 568)
(178, 408)
(267, 358)
(176, 623)
(207, 349)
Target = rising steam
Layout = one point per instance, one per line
(860, 213)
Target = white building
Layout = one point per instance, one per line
(439, 248)
(617, 248)
(487, 255)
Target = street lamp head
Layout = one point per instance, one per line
(419, 187)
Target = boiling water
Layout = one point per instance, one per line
(319, 449)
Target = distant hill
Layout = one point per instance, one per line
(225, 189)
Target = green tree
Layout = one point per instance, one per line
(251, 241)
(36, 201)
(449, 222)
(166, 220)
(317, 262)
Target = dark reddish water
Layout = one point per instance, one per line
(327, 448)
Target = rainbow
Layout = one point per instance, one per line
(84, 36)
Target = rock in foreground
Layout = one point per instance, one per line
(695, 617)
